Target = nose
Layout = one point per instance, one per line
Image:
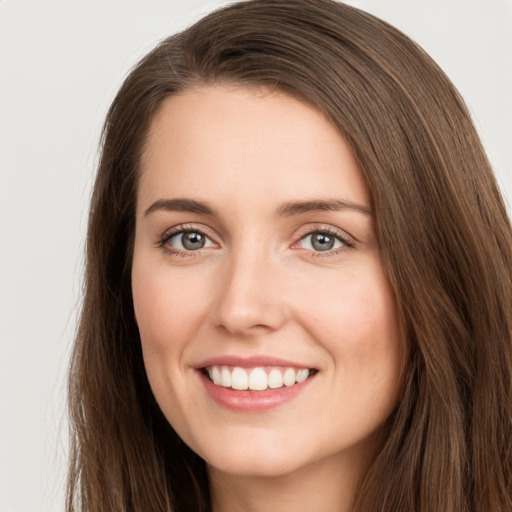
(251, 297)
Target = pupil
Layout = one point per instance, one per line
(193, 241)
(322, 242)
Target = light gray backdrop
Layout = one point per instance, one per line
(61, 62)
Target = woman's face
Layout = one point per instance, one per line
(256, 264)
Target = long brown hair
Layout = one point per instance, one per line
(445, 239)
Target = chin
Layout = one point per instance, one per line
(250, 452)
(264, 455)
(256, 466)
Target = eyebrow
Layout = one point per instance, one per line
(182, 205)
(287, 209)
(320, 205)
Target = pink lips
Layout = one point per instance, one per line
(248, 362)
(250, 401)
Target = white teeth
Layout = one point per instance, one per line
(225, 378)
(215, 375)
(239, 379)
(302, 375)
(275, 379)
(289, 377)
(256, 379)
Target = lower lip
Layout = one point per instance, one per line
(252, 400)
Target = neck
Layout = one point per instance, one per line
(319, 487)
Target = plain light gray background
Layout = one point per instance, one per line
(61, 62)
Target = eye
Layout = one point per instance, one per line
(187, 240)
(323, 241)
(320, 242)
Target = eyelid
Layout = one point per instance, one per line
(324, 228)
(185, 228)
(347, 240)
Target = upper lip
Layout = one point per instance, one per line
(250, 362)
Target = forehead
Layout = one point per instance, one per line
(231, 142)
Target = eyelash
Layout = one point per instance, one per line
(179, 230)
(347, 242)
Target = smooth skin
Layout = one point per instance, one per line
(250, 278)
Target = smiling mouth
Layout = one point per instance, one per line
(259, 378)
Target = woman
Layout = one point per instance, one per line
(298, 287)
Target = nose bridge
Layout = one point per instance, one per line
(248, 298)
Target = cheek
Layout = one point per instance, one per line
(352, 305)
(355, 319)
(166, 304)
(169, 311)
